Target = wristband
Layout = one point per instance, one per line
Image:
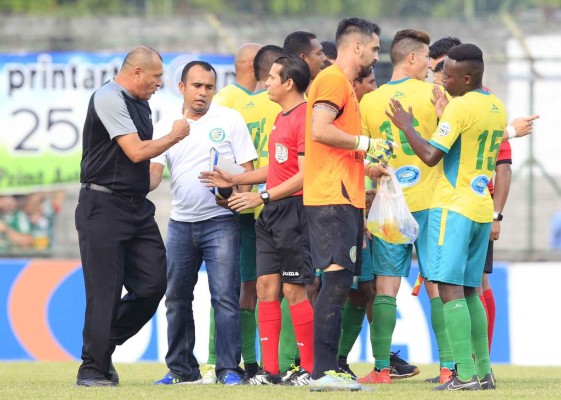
(511, 131)
(362, 143)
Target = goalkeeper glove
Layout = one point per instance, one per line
(379, 149)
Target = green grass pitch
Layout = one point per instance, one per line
(41, 380)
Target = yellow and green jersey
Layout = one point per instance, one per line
(470, 132)
(415, 177)
(232, 96)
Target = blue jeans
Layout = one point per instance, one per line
(216, 241)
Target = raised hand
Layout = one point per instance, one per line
(216, 178)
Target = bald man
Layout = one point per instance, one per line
(120, 243)
(245, 82)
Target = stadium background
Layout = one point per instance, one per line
(41, 292)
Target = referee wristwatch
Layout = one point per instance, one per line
(265, 196)
(497, 216)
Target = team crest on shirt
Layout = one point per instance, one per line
(443, 129)
(479, 184)
(352, 254)
(217, 135)
(281, 153)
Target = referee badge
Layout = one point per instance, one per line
(281, 153)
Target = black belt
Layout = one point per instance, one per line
(105, 189)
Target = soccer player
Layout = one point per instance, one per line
(249, 98)
(330, 50)
(439, 49)
(283, 254)
(467, 140)
(437, 73)
(409, 53)
(306, 46)
(334, 193)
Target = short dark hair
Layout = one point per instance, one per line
(264, 60)
(472, 56)
(442, 46)
(329, 49)
(438, 67)
(206, 66)
(293, 67)
(352, 25)
(406, 41)
(298, 42)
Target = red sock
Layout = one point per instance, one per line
(303, 320)
(269, 317)
(491, 314)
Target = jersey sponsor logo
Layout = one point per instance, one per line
(443, 129)
(290, 273)
(281, 153)
(479, 184)
(217, 135)
(352, 254)
(495, 109)
(398, 94)
(408, 175)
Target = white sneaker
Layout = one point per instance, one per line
(334, 381)
(208, 374)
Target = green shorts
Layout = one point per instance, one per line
(248, 264)
(395, 259)
(457, 247)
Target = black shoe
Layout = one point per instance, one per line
(113, 376)
(298, 377)
(488, 382)
(264, 378)
(400, 369)
(250, 370)
(345, 368)
(95, 382)
(458, 384)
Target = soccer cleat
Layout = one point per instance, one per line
(457, 384)
(488, 382)
(445, 376)
(400, 369)
(231, 379)
(300, 377)
(208, 374)
(264, 378)
(250, 370)
(346, 369)
(332, 381)
(172, 379)
(377, 376)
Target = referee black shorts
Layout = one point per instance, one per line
(283, 242)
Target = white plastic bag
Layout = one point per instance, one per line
(389, 218)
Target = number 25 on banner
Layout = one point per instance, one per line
(45, 130)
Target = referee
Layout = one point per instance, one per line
(120, 243)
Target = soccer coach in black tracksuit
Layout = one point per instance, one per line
(120, 243)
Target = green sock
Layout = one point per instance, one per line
(479, 339)
(439, 328)
(458, 330)
(384, 313)
(350, 327)
(288, 348)
(211, 351)
(249, 328)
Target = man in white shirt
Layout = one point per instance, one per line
(201, 229)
